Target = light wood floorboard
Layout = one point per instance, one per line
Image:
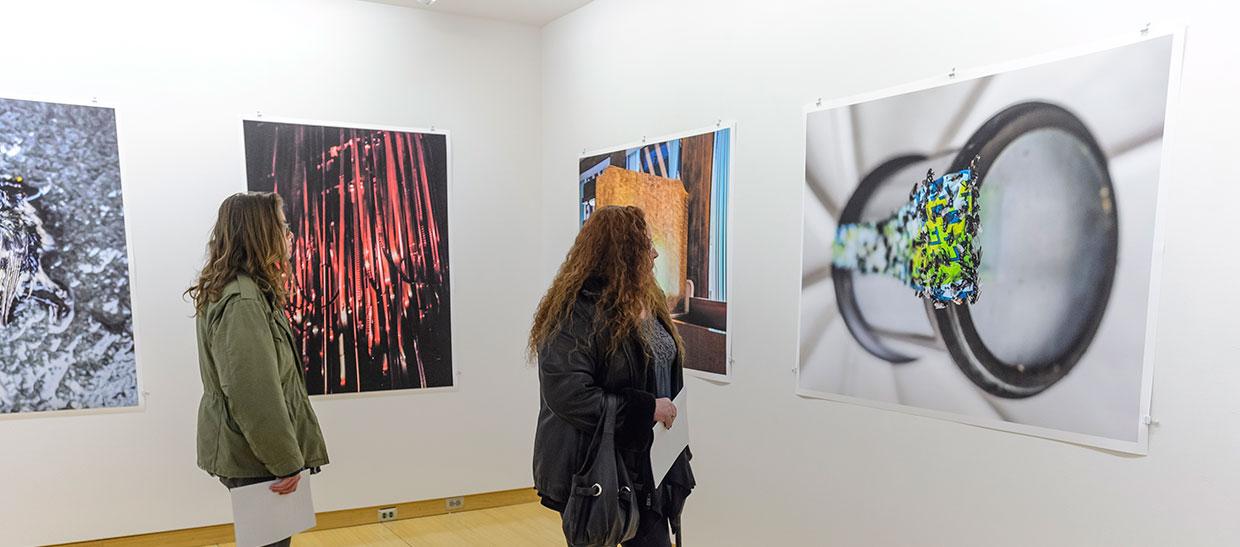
(523, 525)
(514, 525)
(358, 527)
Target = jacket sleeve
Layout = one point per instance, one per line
(635, 422)
(567, 376)
(245, 359)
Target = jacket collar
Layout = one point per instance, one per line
(244, 285)
(593, 286)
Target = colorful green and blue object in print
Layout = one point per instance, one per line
(928, 244)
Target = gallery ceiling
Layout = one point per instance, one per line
(531, 12)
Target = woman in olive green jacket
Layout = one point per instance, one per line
(255, 422)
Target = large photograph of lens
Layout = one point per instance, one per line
(983, 249)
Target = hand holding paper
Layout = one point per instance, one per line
(669, 443)
(263, 516)
(286, 485)
(665, 412)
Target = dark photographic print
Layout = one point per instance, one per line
(982, 251)
(66, 329)
(368, 209)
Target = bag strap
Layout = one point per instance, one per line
(604, 438)
(604, 442)
(610, 402)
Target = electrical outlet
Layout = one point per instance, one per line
(387, 513)
(455, 504)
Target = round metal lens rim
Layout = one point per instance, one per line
(955, 323)
(845, 295)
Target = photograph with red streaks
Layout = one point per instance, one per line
(368, 209)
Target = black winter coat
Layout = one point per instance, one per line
(574, 373)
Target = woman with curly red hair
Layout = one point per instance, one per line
(603, 329)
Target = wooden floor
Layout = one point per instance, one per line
(527, 524)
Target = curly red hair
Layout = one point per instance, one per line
(614, 249)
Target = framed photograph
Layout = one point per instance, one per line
(66, 321)
(368, 208)
(682, 183)
(985, 247)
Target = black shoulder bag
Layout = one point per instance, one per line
(602, 507)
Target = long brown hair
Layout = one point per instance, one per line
(612, 250)
(249, 238)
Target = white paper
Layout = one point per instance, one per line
(262, 517)
(669, 443)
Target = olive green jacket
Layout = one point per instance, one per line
(255, 418)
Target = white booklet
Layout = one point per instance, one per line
(669, 443)
(262, 517)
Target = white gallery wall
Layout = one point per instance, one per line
(774, 468)
(181, 75)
